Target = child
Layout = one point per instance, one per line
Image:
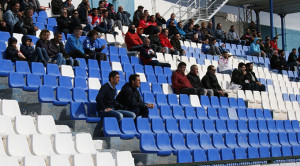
(12, 51)
(205, 46)
(31, 54)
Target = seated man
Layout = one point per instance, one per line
(106, 105)
(132, 39)
(255, 48)
(182, 84)
(105, 26)
(12, 18)
(123, 16)
(205, 46)
(155, 43)
(165, 42)
(292, 60)
(195, 81)
(176, 43)
(213, 50)
(148, 56)
(250, 76)
(130, 99)
(283, 62)
(225, 63)
(63, 22)
(210, 81)
(239, 77)
(233, 37)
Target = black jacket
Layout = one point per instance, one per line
(27, 51)
(56, 5)
(44, 44)
(83, 12)
(10, 52)
(195, 80)
(112, 15)
(210, 81)
(28, 24)
(136, 17)
(106, 98)
(63, 23)
(238, 77)
(214, 50)
(55, 49)
(292, 57)
(160, 21)
(176, 44)
(249, 76)
(130, 98)
(154, 40)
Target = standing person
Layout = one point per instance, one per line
(250, 76)
(148, 56)
(44, 42)
(12, 53)
(132, 40)
(159, 19)
(56, 6)
(57, 47)
(12, 18)
(176, 44)
(63, 22)
(233, 37)
(239, 77)
(220, 34)
(33, 55)
(165, 42)
(130, 99)
(83, 9)
(210, 81)
(107, 106)
(225, 63)
(90, 46)
(137, 15)
(195, 80)
(255, 49)
(28, 26)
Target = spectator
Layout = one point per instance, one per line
(190, 33)
(75, 21)
(210, 29)
(12, 53)
(74, 46)
(176, 44)
(155, 43)
(267, 48)
(28, 26)
(112, 17)
(35, 4)
(190, 22)
(255, 49)
(12, 18)
(250, 76)
(90, 46)
(132, 40)
(165, 42)
(210, 81)
(146, 13)
(137, 15)
(70, 7)
(203, 27)
(195, 81)
(247, 37)
(56, 6)
(205, 46)
(225, 63)
(252, 26)
(283, 62)
(94, 21)
(275, 61)
(197, 33)
(63, 22)
(101, 7)
(130, 99)
(298, 54)
(171, 19)
(106, 26)
(44, 42)
(107, 106)
(239, 77)
(180, 30)
(148, 56)
(83, 9)
(33, 55)
(213, 50)
(147, 25)
(233, 37)
(181, 83)
(172, 29)
(57, 47)
(6, 4)
(159, 19)
(220, 34)
(3, 26)
(274, 43)
(140, 32)
(123, 16)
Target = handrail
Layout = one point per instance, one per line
(172, 7)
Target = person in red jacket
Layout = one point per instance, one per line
(132, 39)
(181, 83)
(274, 43)
(147, 25)
(165, 42)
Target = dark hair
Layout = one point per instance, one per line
(44, 31)
(104, 11)
(280, 51)
(29, 8)
(218, 25)
(57, 33)
(212, 39)
(248, 65)
(140, 7)
(225, 52)
(75, 10)
(112, 74)
(132, 77)
(77, 28)
(275, 38)
(232, 26)
(13, 3)
(210, 67)
(164, 30)
(181, 64)
(92, 33)
(294, 49)
(241, 65)
(94, 9)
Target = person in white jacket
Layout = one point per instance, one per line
(225, 63)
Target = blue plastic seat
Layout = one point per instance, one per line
(178, 112)
(296, 150)
(242, 140)
(252, 125)
(172, 126)
(240, 153)
(143, 125)
(212, 113)
(16, 80)
(199, 155)
(104, 65)
(242, 114)
(114, 58)
(227, 154)
(158, 126)
(241, 103)
(197, 125)
(79, 95)
(22, 67)
(40, 25)
(295, 125)
(168, 71)
(185, 126)
(162, 79)
(52, 21)
(151, 78)
(178, 141)
(153, 113)
(51, 27)
(218, 141)
(283, 139)
(127, 67)
(52, 69)
(190, 112)
(158, 70)
(4, 35)
(232, 126)
(147, 143)
(122, 51)
(156, 88)
(80, 72)
(285, 97)
(233, 102)
(264, 139)
(80, 83)
(259, 114)
(184, 100)
(286, 151)
(205, 101)
(213, 155)
(164, 144)
(276, 151)
(50, 80)
(149, 98)
(230, 140)
(288, 126)
(250, 114)
(92, 94)
(64, 81)
(95, 73)
(201, 113)
(209, 126)
(224, 102)
(46, 94)
(214, 100)
(292, 137)
(253, 140)
(161, 99)
(145, 87)
(33, 82)
(121, 76)
(253, 152)
(37, 68)
(6, 67)
(172, 100)
(63, 96)
(273, 138)
(264, 152)
(166, 112)
(293, 97)
(124, 60)
(113, 51)
(242, 126)
(223, 114)
(221, 126)
(184, 156)
(262, 126)
(77, 111)
(134, 60)
(267, 114)
(92, 113)
(138, 68)
(149, 69)
(279, 126)
(192, 141)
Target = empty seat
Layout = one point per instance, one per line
(192, 141)
(22, 67)
(164, 144)
(34, 161)
(232, 126)
(104, 156)
(24, 125)
(242, 114)
(10, 108)
(224, 102)
(84, 143)
(111, 127)
(67, 70)
(124, 158)
(240, 153)
(128, 128)
(209, 126)
(242, 126)
(205, 101)
(11, 161)
(82, 160)
(143, 125)
(212, 113)
(63, 144)
(50, 80)
(41, 145)
(273, 137)
(172, 100)
(184, 156)
(6, 127)
(79, 95)
(178, 142)
(59, 160)
(172, 126)
(16, 80)
(46, 125)
(147, 143)
(184, 100)
(254, 140)
(158, 126)
(185, 126)
(252, 125)
(242, 140)
(94, 83)
(223, 113)
(199, 155)
(17, 146)
(195, 102)
(80, 72)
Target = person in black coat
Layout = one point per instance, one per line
(155, 42)
(239, 77)
(83, 9)
(159, 19)
(56, 5)
(28, 26)
(75, 21)
(137, 16)
(64, 22)
(250, 76)
(12, 51)
(130, 99)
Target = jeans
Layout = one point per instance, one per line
(116, 23)
(156, 63)
(168, 51)
(124, 19)
(196, 91)
(59, 58)
(39, 55)
(119, 114)
(156, 48)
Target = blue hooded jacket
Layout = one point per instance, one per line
(254, 48)
(74, 43)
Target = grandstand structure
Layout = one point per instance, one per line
(48, 114)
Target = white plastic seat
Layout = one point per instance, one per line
(17, 146)
(184, 59)
(215, 63)
(187, 43)
(194, 45)
(291, 115)
(296, 91)
(249, 96)
(67, 70)
(277, 116)
(120, 39)
(270, 88)
(116, 66)
(264, 95)
(278, 96)
(232, 114)
(59, 160)
(241, 94)
(298, 115)
(34, 161)
(290, 90)
(94, 83)
(287, 164)
(167, 89)
(10, 108)
(82, 160)
(24, 125)
(142, 77)
(124, 158)
(294, 84)
(193, 60)
(104, 159)
(285, 78)
(41, 145)
(110, 38)
(274, 76)
(257, 97)
(281, 106)
(261, 75)
(84, 143)
(176, 58)
(266, 104)
(207, 62)
(9, 161)
(289, 106)
(288, 84)
(274, 106)
(2, 149)
(283, 89)
(160, 57)
(6, 127)
(168, 58)
(173, 65)
(195, 102)
(295, 106)
(46, 125)
(219, 77)
(226, 77)
(267, 76)
(64, 144)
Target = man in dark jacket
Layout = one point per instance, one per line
(56, 5)
(28, 26)
(239, 77)
(292, 61)
(83, 9)
(195, 80)
(130, 99)
(159, 19)
(123, 16)
(64, 22)
(213, 49)
(106, 105)
(282, 60)
(75, 21)
(176, 44)
(155, 42)
(137, 15)
(250, 76)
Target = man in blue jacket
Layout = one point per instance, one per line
(12, 19)
(255, 49)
